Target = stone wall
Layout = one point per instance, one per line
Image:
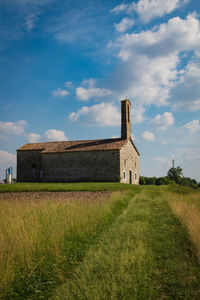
(129, 164)
(81, 166)
(29, 166)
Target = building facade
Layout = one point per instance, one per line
(107, 160)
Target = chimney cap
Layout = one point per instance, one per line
(126, 100)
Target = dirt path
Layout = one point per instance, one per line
(85, 196)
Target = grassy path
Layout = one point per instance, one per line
(145, 254)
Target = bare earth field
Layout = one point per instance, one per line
(83, 196)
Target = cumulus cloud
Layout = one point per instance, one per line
(90, 91)
(125, 24)
(150, 61)
(186, 94)
(167, 39)
(149, 9)
(148, 136)
(162, 122)
(7, 160)
(148, 81)
(55, 135)
(151, 68)
(12, 128)
(103, 114)
(33, 137)
(60, 93)
(192, 126)
(6, 157)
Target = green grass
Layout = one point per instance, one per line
(187, 207)
(133, 246)
(145, 254)
(63, 187)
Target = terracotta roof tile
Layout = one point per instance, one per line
(74, 146)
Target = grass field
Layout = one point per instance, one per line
(63, 187)
(140, 243)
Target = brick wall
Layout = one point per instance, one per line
(29, 165)
(81, 166)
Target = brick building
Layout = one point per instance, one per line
(77, 161)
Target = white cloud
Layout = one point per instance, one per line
(169, 38)
(125, 24)
(148, 136)
(12, 128)
(55, 135)
(186, 95)
(91, 91)
(6, 157)
(150, 63)
(137, 114)
(103, 114)
(162, 122)
(33, 137)
(86, 94)
(147, 81)
(7, 160)
(60, 93)
(192, 126)
(119, 8)
(149, 9)
(30, 22)
(68, 84)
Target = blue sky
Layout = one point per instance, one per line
(65, 66)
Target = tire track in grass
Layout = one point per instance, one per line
(145, 254)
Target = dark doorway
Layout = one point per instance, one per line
(130, 177)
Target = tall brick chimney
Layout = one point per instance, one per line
(125, 119)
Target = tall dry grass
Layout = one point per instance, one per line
(34, 234)
(187, 208)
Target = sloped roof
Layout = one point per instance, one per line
(76, 146)
(73, 146)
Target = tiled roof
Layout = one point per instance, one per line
(73, 146)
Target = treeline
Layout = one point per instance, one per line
(155, 181)
(174, 175)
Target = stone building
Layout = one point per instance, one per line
(111, 160)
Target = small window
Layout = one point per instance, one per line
(135, 164)
(125, 163)
(135, 176)
(124, 175)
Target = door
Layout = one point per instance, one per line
(130, 177)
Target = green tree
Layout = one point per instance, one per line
(175, 174)
(142, 180)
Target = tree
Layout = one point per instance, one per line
(142, 180)
(175, 174)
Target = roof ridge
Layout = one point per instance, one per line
(54, 142)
